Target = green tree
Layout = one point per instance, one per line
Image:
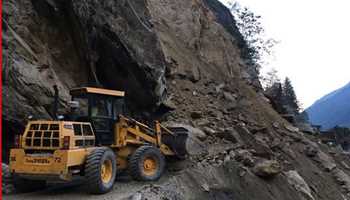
(273, 90)
(275, 94)
(260, 47)
(270, 78)
(290, 98)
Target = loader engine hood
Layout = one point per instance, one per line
(53, 135)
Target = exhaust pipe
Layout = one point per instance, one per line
(55, 103)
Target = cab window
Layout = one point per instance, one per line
(118, 107)
(101, 108)
(83, 107)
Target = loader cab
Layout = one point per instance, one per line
(100, 107)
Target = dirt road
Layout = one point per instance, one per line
(75, 191)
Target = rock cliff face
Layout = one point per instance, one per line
(184, 56)
(124, 45)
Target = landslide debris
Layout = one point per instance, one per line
(179, 61)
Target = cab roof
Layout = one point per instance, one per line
(92, 90)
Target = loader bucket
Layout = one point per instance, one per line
(176, 141)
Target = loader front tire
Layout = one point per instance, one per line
(100, 170)
(147, 163)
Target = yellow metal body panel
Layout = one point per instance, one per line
(130, 132)
(84, 90)
(123, 154)
(57, 163)
(65, 128)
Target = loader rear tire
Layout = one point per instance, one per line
(7, 180)
(147, 163)
(100, 170)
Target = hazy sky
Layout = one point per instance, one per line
(315, 43)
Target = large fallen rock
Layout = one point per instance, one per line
(306, 128)
(245, 157)
(194, 132)
(291, 128)
(267, 168)
(294, 179)
(326, 161)
(342, 179)
(311, 151)
(194, 144)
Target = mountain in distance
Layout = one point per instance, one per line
(332, 110)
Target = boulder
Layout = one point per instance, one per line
(311, 151)
(267, 168)
(306, 128)
(168, 104)
(345, 165)
(137, 196)
(194, 145)
(197, 133)
(294, 179)
(261, 148)
(219, 87)
(230, 97)
(326, 161)
(203, 122)
(292, 128)
(276, 125)
(209, 131)
(196, 114)
(245, 157)
(231, 106)
(205, 187)
(229, 134)
(342, 179)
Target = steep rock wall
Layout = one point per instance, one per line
(125, 45)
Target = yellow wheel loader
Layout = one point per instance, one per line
(94, 141)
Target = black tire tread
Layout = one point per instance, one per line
(137, 156)
(6, 175)
(7, 180)
(92, 171)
